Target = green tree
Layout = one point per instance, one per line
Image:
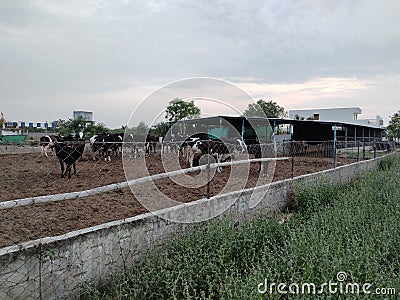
(393, 129)
(92, 129)
(298, 117)
(160, 129)
(75, 126)
(142, 128)
(178, 110)
(262, 108)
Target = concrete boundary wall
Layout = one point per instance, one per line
(56, 267)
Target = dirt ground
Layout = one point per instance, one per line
(31, 174)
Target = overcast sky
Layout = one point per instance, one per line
(106, 56)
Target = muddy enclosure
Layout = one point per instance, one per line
(32, 174)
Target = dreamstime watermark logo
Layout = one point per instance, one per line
(338, 286)
(215, 98)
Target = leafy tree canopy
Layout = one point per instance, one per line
(70, 126)
(142, 128)
(178, 110)
(160, 129)
(262, 108)
(298, 117)
(393, 129)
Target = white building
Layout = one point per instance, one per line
(345, 115)
(86, 115)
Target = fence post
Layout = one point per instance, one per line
(358, 151)
(334, 154)
(291, 150)
(40, 256)
(374, 149)
(363, 149)
(208, 171)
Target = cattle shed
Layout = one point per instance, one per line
(311, 130)
(254, 129)
(227, 127)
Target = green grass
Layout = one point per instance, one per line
(352, 229)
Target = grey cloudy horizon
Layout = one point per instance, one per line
(106, 56)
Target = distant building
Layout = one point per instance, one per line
(86, 115)
(345, 114)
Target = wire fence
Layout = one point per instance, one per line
(219, 154)
(36, 264)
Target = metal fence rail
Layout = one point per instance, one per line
(117, 186)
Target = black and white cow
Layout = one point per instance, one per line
(151, 143)
(44, 142)
(106, 144)
(138, 143)
(68, 152)
(187, 151)
(217, 149)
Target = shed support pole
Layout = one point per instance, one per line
(355, 136)
(243, 129)
(334, 146)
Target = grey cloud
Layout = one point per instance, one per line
(53, 48)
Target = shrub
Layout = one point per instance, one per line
(315, 195)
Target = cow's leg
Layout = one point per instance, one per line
(45, 149)
(62, 169)
(68, 171)
(219, 169)
(190, 158)
(75, 173)
(53, 150)
(108, 155)
(187, 151)
(148, 148)
(218, 161)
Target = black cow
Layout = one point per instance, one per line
(151, 143)
(255, 149)
(69, 152)
(261, 151)
(137, 144)
(141, 142)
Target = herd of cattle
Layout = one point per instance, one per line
(69, 149)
